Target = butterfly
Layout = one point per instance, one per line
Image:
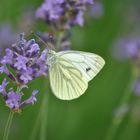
(70, 71)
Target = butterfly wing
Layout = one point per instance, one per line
(71, 71)
(66, 81)
(88, 64)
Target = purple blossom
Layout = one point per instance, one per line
(26, 59)
(4, 69)
(3, 87)
(79, 18)
(21, 62)
(24, 62)
(26, 76)
(32, 99)
(136, 87)
(34, 48)
(13, 100)
(97, 10)
(41, 67)
(89, 1)
(7, 36)
(43, 55)
(63, 14)
(7, 59)
(127, 48)
(50, 8)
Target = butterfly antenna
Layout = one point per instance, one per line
(37, 36)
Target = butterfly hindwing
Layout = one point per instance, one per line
(66, 81)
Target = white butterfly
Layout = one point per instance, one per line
(70, 72)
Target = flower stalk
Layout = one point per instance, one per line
(117, 119)
(8, 126)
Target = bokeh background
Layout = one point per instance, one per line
(109, 110)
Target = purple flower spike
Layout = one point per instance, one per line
(7, 37)
(79, 19)
(26, 76)
(3, 88)
(2, 69)
(7, 59)
(90, 1)
(21, 62)
(13, 100)
(32, 99)
(24, 62)
(26, 59)
(44, 55)
(97, 10)
(136, 87)
(34, 48)
(127, 48)
(63, 14)
(22, 41)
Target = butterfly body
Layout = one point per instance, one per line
(70, 72)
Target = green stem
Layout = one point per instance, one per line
(35, 128)
(44, 114)
(118, 120)
(41, 121)
(44, 108)
(42, 117)
(8, 126)
(59, 39)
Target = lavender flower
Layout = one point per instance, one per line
(97, 10)
(127, 48)
(21, 63)
(6, 31)
(63, 14)
(136, 87)
(32, 99)
(14, 99)
(26, 59)
(7, 59)
(3, 88)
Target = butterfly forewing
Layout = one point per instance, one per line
(89, 64)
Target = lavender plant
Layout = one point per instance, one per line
(25, 61)
(22, 63)
(96, 11)
(126, 49)
(60, 17)
(6, 31)
(63, 14)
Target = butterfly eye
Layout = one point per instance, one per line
(88, 69)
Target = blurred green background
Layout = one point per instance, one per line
(89, 117)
